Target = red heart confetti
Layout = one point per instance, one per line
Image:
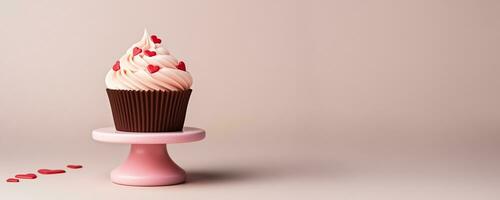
(26, 176)
(153, 68)
(136, 51)
(41, 171)
(74, 166)
(155, 39)
(149, 53)
(116, 66)
(51, 171)
(12, 180)
(181, 66)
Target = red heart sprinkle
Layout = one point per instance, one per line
(136, 51)
(155, 39)
(74, 166)
(12, 180)
(116, 66)
(181, 66)
(153, 68)
(51, 171)
(26, 176)
(149, 53)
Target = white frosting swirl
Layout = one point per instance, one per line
(133, 73)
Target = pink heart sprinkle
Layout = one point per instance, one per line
(153, 68)
(51, 171)
(26, 176)
(149, 53)
(155, 39)
(181, 66)
(116, 66)
(12, 180)
(136, 51)
(74, 166)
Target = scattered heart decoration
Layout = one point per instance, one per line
(51, 171)
(155, 39)
(149, 53)
(12, 180)
(181, 66)
(116, 66)
(136, 51)
(41, 171)
(74, 166)
(153, 68)
(26, 176)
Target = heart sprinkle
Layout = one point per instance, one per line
(136, 51)
(116, 66)
(149, 53)
(153, 68)
(155, 39)
(12, 180)
(51, 171)
(26, 176)
(74, 166)
(181, 66)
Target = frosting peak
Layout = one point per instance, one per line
(148, 66)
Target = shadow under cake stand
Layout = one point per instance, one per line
(148, 163)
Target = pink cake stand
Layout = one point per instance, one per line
(148, 163)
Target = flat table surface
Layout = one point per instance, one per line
(249, 166)
(110, 134)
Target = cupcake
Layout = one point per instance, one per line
(148, 88)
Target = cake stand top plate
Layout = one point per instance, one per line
(109, 134)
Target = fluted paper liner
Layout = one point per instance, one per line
(148, 111)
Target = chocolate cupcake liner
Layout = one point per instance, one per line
(148, 111)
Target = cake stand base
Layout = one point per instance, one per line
(148, 165)
(148, 162)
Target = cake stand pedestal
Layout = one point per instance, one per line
(148, 163)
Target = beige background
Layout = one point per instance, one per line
(323, 99)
